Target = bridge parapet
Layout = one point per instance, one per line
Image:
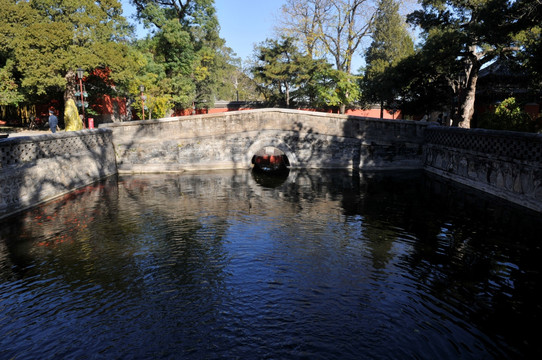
(35, 169)
(502, 163)
(229, 140)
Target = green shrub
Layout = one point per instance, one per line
(509, 116)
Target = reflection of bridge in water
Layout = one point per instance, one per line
(230, 140)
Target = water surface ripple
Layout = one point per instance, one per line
(327, 265)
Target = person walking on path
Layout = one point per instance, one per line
(53, 121)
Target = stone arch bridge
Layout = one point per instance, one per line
(229, 141)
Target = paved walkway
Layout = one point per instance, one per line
(29, 133)
(17, 132)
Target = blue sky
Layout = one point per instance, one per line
(244, 23)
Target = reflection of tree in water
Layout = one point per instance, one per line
(379, 203)
(480, 258)
(467, 247)
(133, 254)
(68, 237)
(65, 221)
(174, 230)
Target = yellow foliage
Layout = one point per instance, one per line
(71, 117)
(201, 73)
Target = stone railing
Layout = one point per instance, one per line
(35, 169)
(505, 164)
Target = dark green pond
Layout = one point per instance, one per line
(323, 265)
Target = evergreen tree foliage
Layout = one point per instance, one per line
(391, 43)
(292, 79)
(427, 80)
(338, 89)
(188, 44)
(529, 58)
(473, 33)
(277, 68)
(9, 94)
(43, 42)
(47, 40)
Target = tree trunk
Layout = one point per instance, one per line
(287, 94)
(128, 116)
(467, 98)
(382, 109)
(71, 85)
(467, 106)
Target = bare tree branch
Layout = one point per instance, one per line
(335, 27)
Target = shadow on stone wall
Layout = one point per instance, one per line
(39, 168)
(229, 140)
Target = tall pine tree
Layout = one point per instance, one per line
(391, 43)
(188, 44)
(276, 69)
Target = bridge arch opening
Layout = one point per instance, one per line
(270, 159)
(268, 143)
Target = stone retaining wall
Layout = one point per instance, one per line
(35, 169)
(505, 164)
